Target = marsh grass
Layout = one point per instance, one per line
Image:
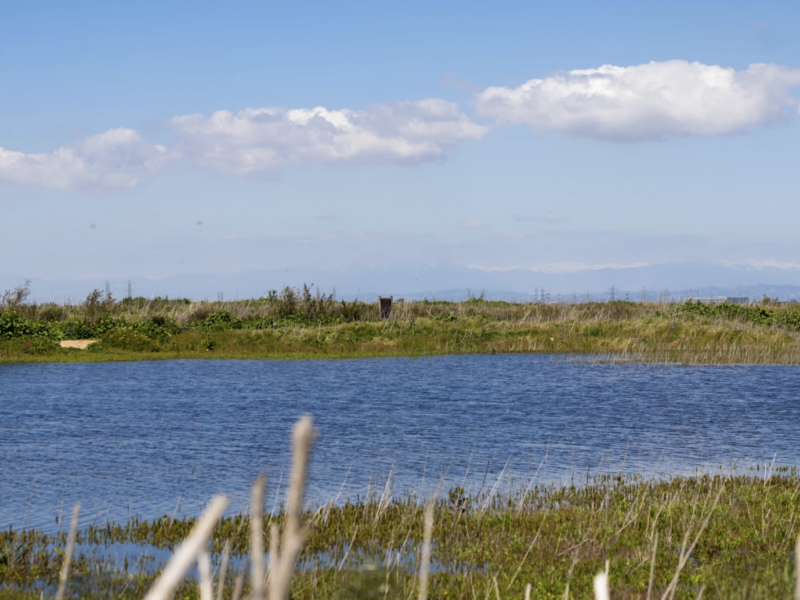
(651, 339)
(734, 534)
(301, 324)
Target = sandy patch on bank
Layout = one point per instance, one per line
(79, 344)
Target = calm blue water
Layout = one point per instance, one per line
(152, 438)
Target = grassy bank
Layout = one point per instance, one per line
(299, 324)
(737, 533)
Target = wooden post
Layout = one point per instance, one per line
(386, 307)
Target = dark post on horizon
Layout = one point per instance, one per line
(386, 306)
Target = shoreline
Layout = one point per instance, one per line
(135, 330)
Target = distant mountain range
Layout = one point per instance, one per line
(675, 281)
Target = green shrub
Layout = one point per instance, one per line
(758, 315)
(128, 338)
(158, 328)
(38, 345)
(14, 326)
(220, 320)
(355, 311)
(70, 330)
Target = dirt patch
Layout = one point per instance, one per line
(78, 344)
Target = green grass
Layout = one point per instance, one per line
(549, 537)
(295, 325)
(656, 337)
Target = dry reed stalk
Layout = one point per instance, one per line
(797, 569)
(188, 551)
(73, 530)
(274, 544)
(238, 587)
(223, 569)
(601, 585)
(425, 559)
(528, 591)
(257, 540)
(653, 564)
(204, 573)
(293, 537)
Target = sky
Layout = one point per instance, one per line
(373, 144)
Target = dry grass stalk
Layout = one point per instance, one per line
(293, 537)
(223, 569)
(797, 569)
(425, 559)
(238, 587)
(257, 539)
(188, 551)
(73, 530)
(601, 586)
(204, 572)
(652, 565)
(274, 544)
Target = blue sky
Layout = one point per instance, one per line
(431, 152)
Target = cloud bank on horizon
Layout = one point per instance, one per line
(648, 102)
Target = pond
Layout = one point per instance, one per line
(154, 438)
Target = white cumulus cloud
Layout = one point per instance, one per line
(646, 102)
(262, 139)
(116, 159)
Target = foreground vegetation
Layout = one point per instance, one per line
(735, 534)
(302, 324)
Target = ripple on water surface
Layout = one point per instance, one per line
(151, 438)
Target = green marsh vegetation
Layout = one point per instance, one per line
(715, 535)
(307, 324)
